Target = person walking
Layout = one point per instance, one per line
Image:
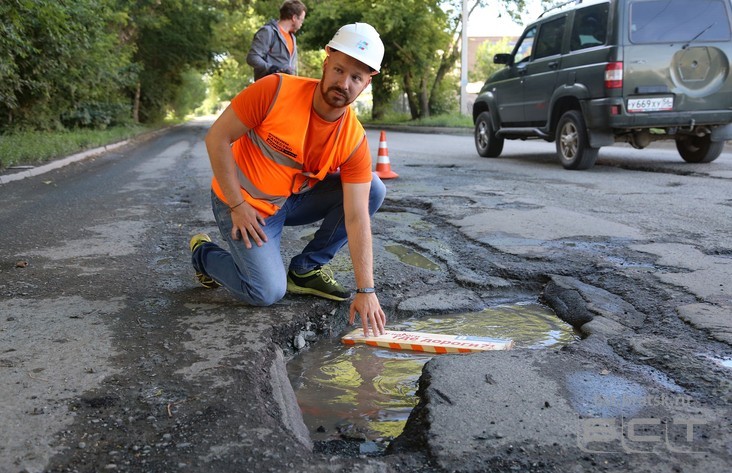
(274, 47)
(290, 151)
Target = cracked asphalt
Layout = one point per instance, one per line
(114, 360)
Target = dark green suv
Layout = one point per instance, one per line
(598, 72)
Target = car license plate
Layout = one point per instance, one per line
(650, 104)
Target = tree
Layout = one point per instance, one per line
(484, 66)
(171, 37)
(84, 62)
(421, 60)
(323, 20)
(232, 39)
(99, 62)
(422, 40)
(238, 22)
(59, 59)
(191, 94)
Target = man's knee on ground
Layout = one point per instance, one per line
(266, 296)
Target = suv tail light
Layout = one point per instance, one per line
(614, 75)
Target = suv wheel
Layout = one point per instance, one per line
(698, 149)
(486, 142)
(573, 146)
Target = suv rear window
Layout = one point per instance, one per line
(590, 27)
(549, 42)
(678, 21)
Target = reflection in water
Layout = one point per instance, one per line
(363, 392)
(411, 257)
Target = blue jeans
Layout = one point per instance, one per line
(257, 275)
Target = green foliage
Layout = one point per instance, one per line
(233, 35)
(55, 55)
(37, 147)
(421, 39)
(416, 59)
(311, 63)
(445, 97)
(98, 115)
(484, 66)
(80, 63)
(176, 38)
(227, 80)
(450, 120)
(232, 38)
(326, 16)
(191, 94)
(98, 63)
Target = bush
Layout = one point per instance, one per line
(36, 147)
(446, 99)
(97, 115)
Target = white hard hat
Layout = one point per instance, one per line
(360, 41)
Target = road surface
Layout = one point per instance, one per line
(113, 359)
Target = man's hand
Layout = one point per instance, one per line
(283, 70)
(372, 316)
(247, 223)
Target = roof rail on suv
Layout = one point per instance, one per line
(605, 71)
(560, 6)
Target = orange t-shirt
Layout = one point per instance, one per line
(252, 106)
(288, 40)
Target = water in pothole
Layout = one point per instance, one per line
(411, 257)
(365, 393)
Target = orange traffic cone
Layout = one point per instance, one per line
(383, 167)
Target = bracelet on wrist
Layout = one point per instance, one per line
(237, 205)
(365, 290)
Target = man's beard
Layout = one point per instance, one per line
(335, 96)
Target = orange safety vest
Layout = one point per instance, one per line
(270, 156)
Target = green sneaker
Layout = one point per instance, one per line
(318, 282)
(205, 280)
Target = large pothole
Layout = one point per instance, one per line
(364, 395)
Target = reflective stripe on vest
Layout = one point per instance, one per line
(280, 140)
(246, 184)
(270, 153)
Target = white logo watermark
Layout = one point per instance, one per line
(674, 433)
